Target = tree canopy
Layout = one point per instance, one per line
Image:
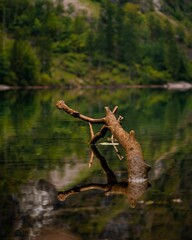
(43, 42)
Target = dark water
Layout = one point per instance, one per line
(43, 151)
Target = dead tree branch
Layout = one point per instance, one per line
(62, 106)
(137, 168)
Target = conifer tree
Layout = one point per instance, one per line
(106, 28)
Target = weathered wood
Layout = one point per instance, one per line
(137, 168)
(62, 106)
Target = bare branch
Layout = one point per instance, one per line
(115, 109)
(137, 168)
(102, 131)
(91, 130)
(99, 135)
(91, 159)
(62, 106)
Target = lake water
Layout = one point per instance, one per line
(44, 150)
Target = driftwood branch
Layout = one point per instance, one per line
(62, 106)
(137, 168)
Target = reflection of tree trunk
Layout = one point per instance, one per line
(137, 168)
(111, 178)
(132, 190)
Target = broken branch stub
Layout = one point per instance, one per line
(137, 168)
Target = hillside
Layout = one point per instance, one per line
(84, 42)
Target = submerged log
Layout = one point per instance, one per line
(137, 168)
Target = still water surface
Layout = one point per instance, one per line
(43, 151)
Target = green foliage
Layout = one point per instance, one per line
(180, 9)
(152, 76)
(4, 67)
(124, 33)
(24, 64)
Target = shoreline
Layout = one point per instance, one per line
(169, 86)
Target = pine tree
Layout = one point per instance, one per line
(106, 29)
(130, 34)
(172, 55)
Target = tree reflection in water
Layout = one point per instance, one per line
(38, 208)
(36, 213)
(132, 189)
(35, 208)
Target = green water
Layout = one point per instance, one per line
(43, 150)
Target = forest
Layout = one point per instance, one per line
(44, 43)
